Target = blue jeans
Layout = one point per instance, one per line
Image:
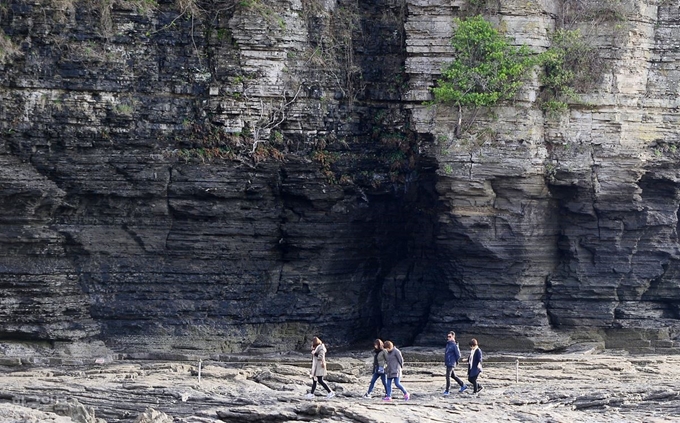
(375, 377)
(396, 383)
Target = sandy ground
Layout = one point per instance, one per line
(580, 387)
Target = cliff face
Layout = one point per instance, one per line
(564, 226)
(242, 176)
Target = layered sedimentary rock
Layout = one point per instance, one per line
(143, 202)
(563, 226)
(223, 176)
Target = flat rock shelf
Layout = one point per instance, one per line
(586, 386)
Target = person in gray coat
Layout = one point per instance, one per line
(319, 368)
(395, 362)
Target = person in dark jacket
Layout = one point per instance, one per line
(379, 365)
(474, 365)
(451, 358)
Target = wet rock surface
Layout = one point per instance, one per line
(585, 386)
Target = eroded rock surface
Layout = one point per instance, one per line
(243, 179)
(574, 387)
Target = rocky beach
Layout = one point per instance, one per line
(231, 177)
(198, 187)
(586, 385)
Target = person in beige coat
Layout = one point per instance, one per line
(319, 368)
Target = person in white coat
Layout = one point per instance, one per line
(319, 368)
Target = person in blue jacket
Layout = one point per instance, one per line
(451, 358)
(474, 365)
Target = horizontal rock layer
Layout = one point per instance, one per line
(247, 177)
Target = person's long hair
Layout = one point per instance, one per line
(316, 342)
(378, 345)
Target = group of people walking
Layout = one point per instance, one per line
(388, 363)
(452, 357)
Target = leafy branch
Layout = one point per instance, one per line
(487, 69)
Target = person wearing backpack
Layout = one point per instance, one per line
(451, 358)
(395, 363)
(379, 365)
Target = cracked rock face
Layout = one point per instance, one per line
(254, 176)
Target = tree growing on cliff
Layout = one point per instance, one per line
(487, 68)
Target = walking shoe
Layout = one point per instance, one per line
(309, 396)
(446, 393)
(406, 396)
(330, 395)
(387, 399)
(367, 395)
(480, 388)
(462, 388)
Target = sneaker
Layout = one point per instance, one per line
(407, 397)
(309, 396)
(387, 399)
(480, 388)
(462, 388)
(366, 395)
(446, 393)
(330, 395)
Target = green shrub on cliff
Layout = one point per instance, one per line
(487, 69)
(571, 65)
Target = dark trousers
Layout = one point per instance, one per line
(321, 382)
(473, 381)
(451, 373)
